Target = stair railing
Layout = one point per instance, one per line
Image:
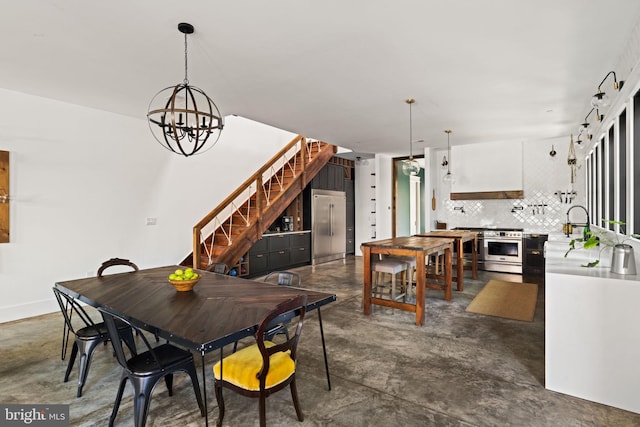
(218, 226)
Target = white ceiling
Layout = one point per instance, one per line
(336, 70)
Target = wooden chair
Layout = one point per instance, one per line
(146, 369)
(263, 368)
(87, 337)
(113, 262)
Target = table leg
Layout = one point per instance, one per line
(204, 392)
(324, 350)
(366, 289)
(447, 273)
(460, 265)
(421, 278)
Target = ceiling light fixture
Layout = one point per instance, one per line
(183, 118)
(410, 167)
(601, 99)
(585, 127)
(449, 176)
(445, 162)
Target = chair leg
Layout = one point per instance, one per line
(168, 379)
(86, 349)
(116, 404)
(263, 410)
(142, 388)
(294, 397)
(196, 388)
(72, 359)
(220, 400)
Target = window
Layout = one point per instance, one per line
(622, 166)
(611, 177)
(600, 177)
(635, 145)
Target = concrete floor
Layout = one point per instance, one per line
(459, 369)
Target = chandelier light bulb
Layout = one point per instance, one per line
(410, 167)
(600, 100)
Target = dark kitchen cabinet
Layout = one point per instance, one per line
(300, 248)
(330, 177)
(351, 216)
(279, 251)
(534, 254)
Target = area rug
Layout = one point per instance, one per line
(509, 300)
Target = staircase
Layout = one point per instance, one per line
(226, 233)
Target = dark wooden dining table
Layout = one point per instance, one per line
(414, 246)
(220, 310)
(460, 237)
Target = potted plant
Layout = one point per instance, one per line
(604, 239)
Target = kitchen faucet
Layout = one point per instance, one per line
(586, 230)
(459, 208)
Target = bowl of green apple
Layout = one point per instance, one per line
(184, 280)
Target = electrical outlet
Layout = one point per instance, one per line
(152, 221)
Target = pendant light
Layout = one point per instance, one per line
(410, 167)
(449, 176)
(183, 118)
(572, 160)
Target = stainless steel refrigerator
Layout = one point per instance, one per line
(328, 225)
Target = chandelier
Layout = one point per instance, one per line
(182, 118)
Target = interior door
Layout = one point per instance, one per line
(415, 201)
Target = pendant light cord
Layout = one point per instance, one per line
(186, 80)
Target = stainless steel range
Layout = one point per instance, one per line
(502, 250)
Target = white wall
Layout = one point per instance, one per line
(83, 182)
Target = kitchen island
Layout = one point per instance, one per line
(592, 328)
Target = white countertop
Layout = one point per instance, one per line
(555, 261)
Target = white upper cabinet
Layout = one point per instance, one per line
(487, 167)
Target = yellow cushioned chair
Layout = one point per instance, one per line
(265, 367)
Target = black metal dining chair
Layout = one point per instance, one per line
(109, 263)
(221, 268)
(265, 367)
(87, 337)
(146, 369)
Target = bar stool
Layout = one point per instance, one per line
(411, 269)
(392, 267)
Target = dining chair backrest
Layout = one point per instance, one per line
(114, 262)
(110, 320)
(69, 307)
(293, 306)
(283, 278)
(220, 268)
